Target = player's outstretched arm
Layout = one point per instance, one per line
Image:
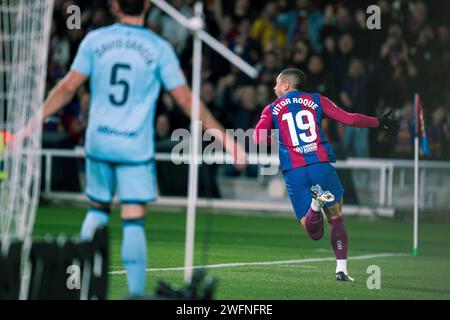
(183, 96)
(351, 119)
(63, 93)
(58, 97)
(359, 120)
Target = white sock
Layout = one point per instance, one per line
(315, 205)
(341, 265)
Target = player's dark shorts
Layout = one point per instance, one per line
(300, 180)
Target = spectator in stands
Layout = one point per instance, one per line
(263, 95)
(354, 99)
(343, 20)
(404, 148)
(301, 22)
(245, 117)
(339, 58)
(208, 96)
(270, 68)
(320, 37)
(60, 53)
(168, 27)
(243, 44)
(99, 18)
(239, 10)
(162, 126)
(265, 30)
(439, 134)
(417, 19)
(300, 55)
(323, 82)
(399, 71)
(318, 79)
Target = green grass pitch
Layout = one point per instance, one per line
(241, 239)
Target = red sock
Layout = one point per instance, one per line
(339, 238)
(314, 224)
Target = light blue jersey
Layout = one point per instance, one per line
(127, 65)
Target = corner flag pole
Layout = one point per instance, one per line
(416, 177)
(196, 128)
(416, 196)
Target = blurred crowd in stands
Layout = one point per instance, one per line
(361, 70)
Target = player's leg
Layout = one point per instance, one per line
(317, 177)
(137, 186)
(100, 185)
(97, 216)
(326, 176)
(134, 247)
(339, 240)
(298, 188)
(313, 221)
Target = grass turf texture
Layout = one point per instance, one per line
(235, 239)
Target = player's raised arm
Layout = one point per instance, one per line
(65, 90)
(265, 123)
(356, 119)
(183, 96)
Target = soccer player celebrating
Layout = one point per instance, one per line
(305, 157)
(127, 64)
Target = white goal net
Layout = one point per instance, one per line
(24, 36)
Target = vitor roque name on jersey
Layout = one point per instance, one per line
(303, 101)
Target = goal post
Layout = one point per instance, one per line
(24, 38)
(24, 34)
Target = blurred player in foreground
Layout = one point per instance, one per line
(305, 157)
(127, 64)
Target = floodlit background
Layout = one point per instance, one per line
(245, 217)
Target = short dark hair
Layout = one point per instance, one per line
(132, 7)
(295, 77)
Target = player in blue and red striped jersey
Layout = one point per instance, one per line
(305, 156)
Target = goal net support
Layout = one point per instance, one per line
(24, 38)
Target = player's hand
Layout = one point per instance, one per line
(17, 140)
(6, 140)
(240, 157)
(236, 150)
(389, 124)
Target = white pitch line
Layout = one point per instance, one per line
(269, 263)
(297, 266)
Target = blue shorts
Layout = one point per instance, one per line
(300, 180)
(136, 183)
